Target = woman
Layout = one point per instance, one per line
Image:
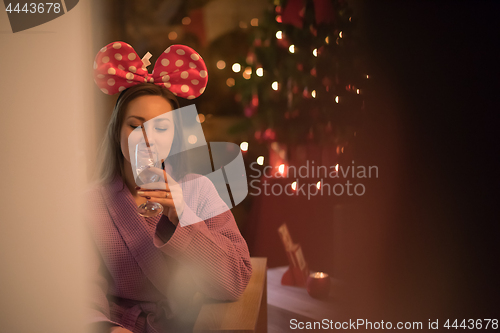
(148, 270)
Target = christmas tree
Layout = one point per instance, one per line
(300, 81)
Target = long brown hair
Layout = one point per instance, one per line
(111, 158)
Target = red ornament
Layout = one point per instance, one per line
(250, 58)
(294, 12)
(305, 93)
(249, 111)
(269, 134)
(255, 100)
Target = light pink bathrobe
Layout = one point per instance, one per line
(141, 282)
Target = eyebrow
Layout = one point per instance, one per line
(144, 120)
(140, 118)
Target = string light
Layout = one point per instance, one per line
(318, 184)
(315, 52)
(279, 34)
(243, 25)
(327, 40)
(230, 82)
(336, 99)
(291, 48)
(294, 185)
(236, 67)
(254, 22)
(244, 146)
(357, 91)
(172, 35)
(275, 85)
(259, 71)
(337, 167)
(192, 139)
(186, 20)
(281, 168)
(313, 93)
(221, 64)
(247, 73)
(367, 76)
(340, 34)
(200, 118)
(278, 18)
(260, 160)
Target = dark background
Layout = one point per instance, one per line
(432, 128)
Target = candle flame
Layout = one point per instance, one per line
(319, 275)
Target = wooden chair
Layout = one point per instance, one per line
(248, 314)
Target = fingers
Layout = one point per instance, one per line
(155, 194)
(161, 186)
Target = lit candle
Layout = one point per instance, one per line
(318, 285)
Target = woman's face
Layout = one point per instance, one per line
(160, 130)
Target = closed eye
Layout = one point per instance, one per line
(161, 129)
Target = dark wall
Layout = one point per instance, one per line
(431, 126)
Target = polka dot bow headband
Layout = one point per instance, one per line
(179, 68)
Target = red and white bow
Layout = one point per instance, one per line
(179, 68)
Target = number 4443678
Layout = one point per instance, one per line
(35, 8)
(473, 324)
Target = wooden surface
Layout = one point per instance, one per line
(248, 314)
(295, 299)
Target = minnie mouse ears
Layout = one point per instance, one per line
(179, 68)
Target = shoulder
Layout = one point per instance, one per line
(93, 195)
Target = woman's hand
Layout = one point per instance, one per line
(169, 196)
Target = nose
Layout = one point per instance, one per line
(148, 139)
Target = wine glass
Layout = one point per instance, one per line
(147, 166)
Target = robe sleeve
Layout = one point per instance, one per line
(213, 249)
